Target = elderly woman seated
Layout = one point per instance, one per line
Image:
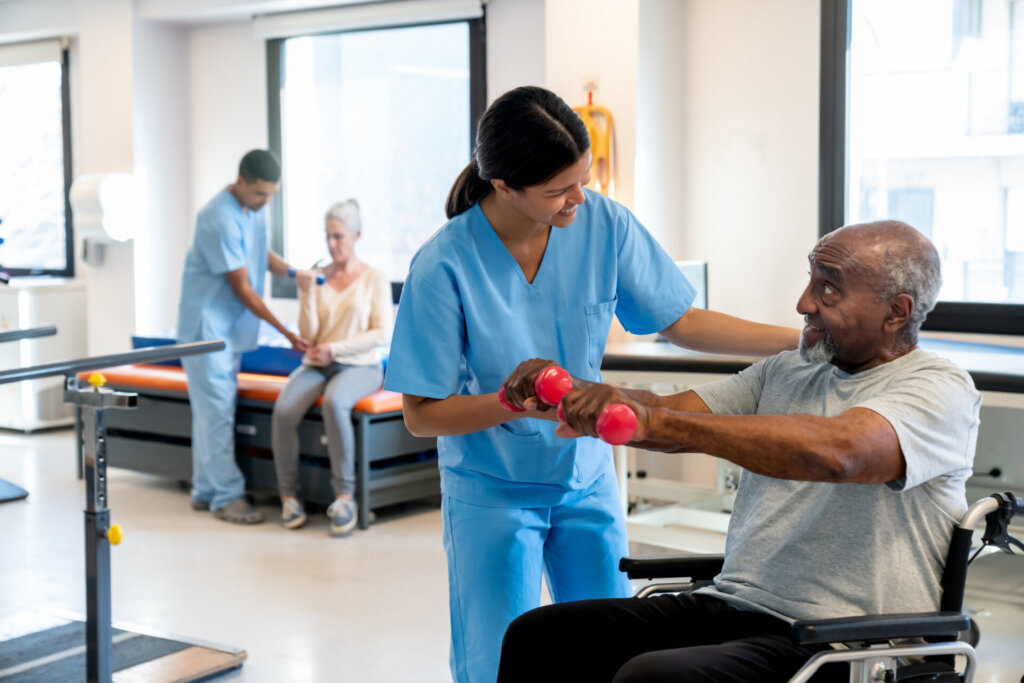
(346, 319)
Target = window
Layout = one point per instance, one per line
(382, 115)
(923, 121)
(35, 162)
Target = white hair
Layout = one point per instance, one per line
(917, 276)
(348, 213)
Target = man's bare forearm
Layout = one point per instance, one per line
(859, 446)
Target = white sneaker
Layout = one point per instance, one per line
(342, 514)
(292, 514)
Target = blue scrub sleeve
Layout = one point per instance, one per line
(652, 292)
(219, 240)
(427, 345)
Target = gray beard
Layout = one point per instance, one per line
(823, 351)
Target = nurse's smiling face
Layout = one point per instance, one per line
(554, 201)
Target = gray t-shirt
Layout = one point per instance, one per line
(810, 550)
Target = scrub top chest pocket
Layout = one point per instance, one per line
(599, 321)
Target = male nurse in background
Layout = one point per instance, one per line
(221, 295)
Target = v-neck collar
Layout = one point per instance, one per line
(347, 287)
(510, 259)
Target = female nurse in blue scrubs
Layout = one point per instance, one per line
(531, 265)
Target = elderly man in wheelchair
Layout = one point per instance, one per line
(855, 450)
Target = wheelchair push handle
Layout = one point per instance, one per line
(997, 522)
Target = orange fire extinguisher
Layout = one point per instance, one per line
(598, 121)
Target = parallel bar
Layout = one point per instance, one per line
(153, 354)
(28, 333)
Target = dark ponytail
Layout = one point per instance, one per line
(468, 188)
(525, 137)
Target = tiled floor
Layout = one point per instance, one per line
(306, 607)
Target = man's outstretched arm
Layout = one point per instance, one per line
(857, 446)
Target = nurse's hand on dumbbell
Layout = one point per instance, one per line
(614, 422)
(519, 392)
(604, 412)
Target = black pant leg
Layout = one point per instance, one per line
(693, 638)
(736, 646)
(590, 640)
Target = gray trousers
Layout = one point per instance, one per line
(341, 386)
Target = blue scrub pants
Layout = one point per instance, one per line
(213, 394)
(496, 557)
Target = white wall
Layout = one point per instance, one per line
(24, 20)
(105, 98)
(515, 45)
(738, 177)
(161, 161)
(596, 40)
(662, 111)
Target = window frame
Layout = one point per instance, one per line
(69, 231)
(948, 316)
(281, 288)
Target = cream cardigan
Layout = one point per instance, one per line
(354, 321)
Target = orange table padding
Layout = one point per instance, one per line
(250, 385)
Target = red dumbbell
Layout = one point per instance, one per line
(616, 424)
(552, 384)
(505, 404)
(617, 421)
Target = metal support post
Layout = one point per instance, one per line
(99, 664)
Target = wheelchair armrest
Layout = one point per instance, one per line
(878, 628)
(697, 567)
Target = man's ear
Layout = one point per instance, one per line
(900, 309)
(499, 185)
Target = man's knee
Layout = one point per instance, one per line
(534, 645)
(648, 667)
(526, 631)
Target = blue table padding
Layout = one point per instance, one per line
(273, 356)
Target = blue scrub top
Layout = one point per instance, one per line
(227, 237)
(468, 317)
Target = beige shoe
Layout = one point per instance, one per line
(239, 511)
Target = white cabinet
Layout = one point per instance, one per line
(34, 302)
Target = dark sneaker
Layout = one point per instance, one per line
(342, 514)
(292, 514)
(239, 511)
(200, 505)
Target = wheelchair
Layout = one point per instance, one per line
(872, 645)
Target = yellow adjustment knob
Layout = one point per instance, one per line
(114, 534)
(97, 379)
